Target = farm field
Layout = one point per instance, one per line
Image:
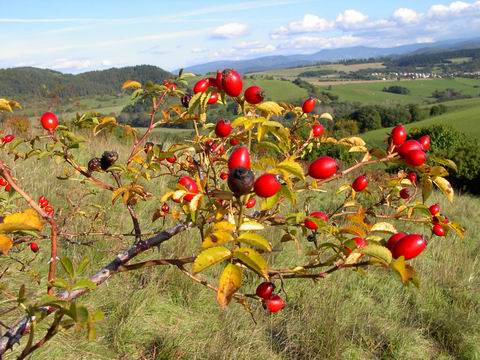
(420, 90)
(293, 73)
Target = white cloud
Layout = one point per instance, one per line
(70, 65)
(406, 16)
(455, 8)
(309, 24)
(230, 31)
(351, 18)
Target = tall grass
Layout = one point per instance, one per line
(158, 313)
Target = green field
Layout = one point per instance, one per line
(293, 73)
(420, 90)
(463, 115)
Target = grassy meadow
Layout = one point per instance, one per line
(158, 313)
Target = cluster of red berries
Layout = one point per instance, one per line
(408, 246)
(412, 151)
(437, 227)
(45, 205)
(272, 302)
(312, 225)
(4, 183)
(7, 138)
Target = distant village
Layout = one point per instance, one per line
(420, 75)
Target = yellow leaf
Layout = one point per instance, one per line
(27, 220)
(353, 230)
(352, 141)
(358, 149)
(195, 202)
(378, 252)
(270, 108)
(251, 225)
(427, 187)
(5, 244)
(216, 238)
(255, 240)
(230, 282)
(131, 84)
(224, 226)
(292, 167)
(384, 227)
(444, 185)
(252, 259)
(326, 116)
(210, 257)
(405, 271)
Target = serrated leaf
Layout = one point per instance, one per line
(378, 252)
(459, 230)
(270, 108)
(26, 220)
(384, 227)
(405, 271)
(230, 282)
(5, 244)
(253, 260)
(270, 202)
(444, 185)
(293, 168)
(256, 240)
(352, 141)
(210, 257)
(131, 84)
(224, 226)
(67, 266)
(446, 162)
(216, 238)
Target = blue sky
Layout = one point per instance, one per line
(76, 36)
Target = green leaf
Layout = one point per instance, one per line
(378, 252)
(98, 316)
(81, 314)
(84, 284)
(230, 282)
(293, 168)
(444, 185)
(253, 260)
(209, 257)
(67, 266)
(270, 202)
(405, 271)
(60, 283)
(445, 162)
(82, 265)
(256, 240)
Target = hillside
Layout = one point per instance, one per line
(26, 82)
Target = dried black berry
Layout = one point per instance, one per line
(240, 180)
(148, 147)
(94, 165)
(186, 100)
(108, 159)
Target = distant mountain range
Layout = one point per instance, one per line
(24, 82)
(330, 55)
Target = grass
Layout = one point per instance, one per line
(462, 115)
(160, 314)
(420, 90)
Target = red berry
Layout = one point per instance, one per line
(254, 95)
(434, 209)
(317, 214)
(361, 242)
(446, 221)
(425, 142)
(232, 82)
(323, 168)
(223, 128)
(438, 230)
(3, 182)
(394, 239)
(41, 199)
(224, 175)
(275, 304)
(8, 187)
(190, 185)
(34, 247)
(266, 185)
(172, 159)
(165, 208)
(318, 130)
(412, 176)
(48, 209)
(308, 105)
(360, 183)
(265, 290)
(250, 203)
(409, 246)
(408, 146)
(404, 194)
(239, 158)
(234, 142)
(8, 138)
(416, 158)
(218, 80)
(212, 82)
(201, 86)
(170, 85)
(43, 203)
(398, 135)
(49, 121)
(213, 98)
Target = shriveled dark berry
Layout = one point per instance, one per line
(240, 180)
(108, 159)
(148, 147)
(186, 100)
(94, 165)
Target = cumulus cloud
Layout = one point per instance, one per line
(309, 24)
(229, 31)
(70, 65)
(406, 16)
(351, 18)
